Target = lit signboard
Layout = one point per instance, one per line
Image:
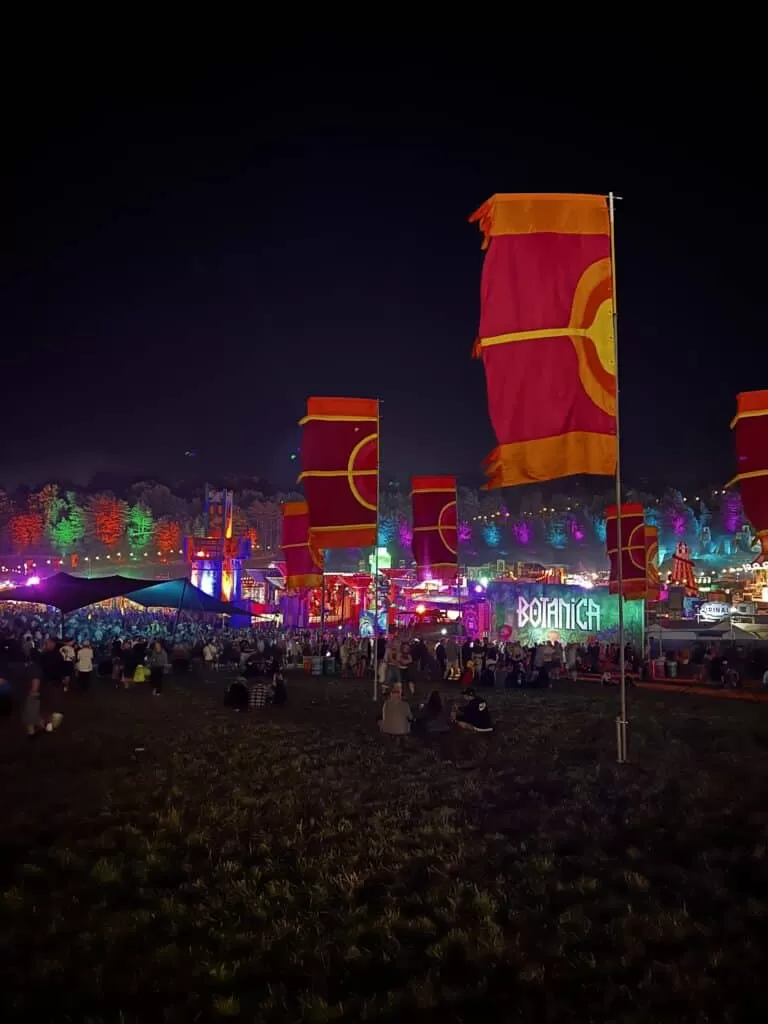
(536, 612)
(714, 611)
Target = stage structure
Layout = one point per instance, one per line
(216, 558)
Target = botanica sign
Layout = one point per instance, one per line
(559, 613)
(535, 612)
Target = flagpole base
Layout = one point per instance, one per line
(621, 740)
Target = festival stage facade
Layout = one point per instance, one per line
(533, 613)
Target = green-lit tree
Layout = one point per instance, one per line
(67, 529)
(140, 526)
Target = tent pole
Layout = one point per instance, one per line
(375, 566)
(178, 611)
(621, 720)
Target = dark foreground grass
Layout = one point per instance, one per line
(296, 866)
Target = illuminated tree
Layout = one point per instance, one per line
(600, 525)
(49, 502)
(105, 518)
(732, 511)
(405, 535)
(386, 530)
(522, 531)
(556, 535)
(26, 529)
(139, 527)
(465, 532)
(574, 527)
(491, 535)
(652, 515)
(68, 529)
(468, 503)
(168, 536)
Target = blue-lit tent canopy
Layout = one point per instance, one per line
(68, 593)
(181, 594)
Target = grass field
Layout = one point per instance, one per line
(293, 865)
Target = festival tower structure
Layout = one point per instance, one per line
(216, 558)
(682, 570)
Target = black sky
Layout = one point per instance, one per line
(191, 246)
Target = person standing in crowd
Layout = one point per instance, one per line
(51, 664)
(32, 715)
(440, 658)
(209, 655)
(67, 652)
(405, 661)
(451, 659)
(158, 666)
(84, 667)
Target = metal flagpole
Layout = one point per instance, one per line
(621, 721)
(322, 612)
(376, 556)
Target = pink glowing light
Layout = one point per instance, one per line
(33, 581)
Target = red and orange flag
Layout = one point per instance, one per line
(633, 565)
(750, 427)
(435, 533)
(546, 336)
(303, 561)
(652, 575)
(340, 470)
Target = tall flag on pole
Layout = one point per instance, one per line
(546, 336)
(435, 535)
(303, 561)
(750, 427)
(634, 582)
(340, 470)
(652, 576)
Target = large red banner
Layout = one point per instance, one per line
(546, 336)
(340, 470)
(435, 534)
(303, 561)
(750, 427)
(634, 582)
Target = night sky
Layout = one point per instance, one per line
(192, 246)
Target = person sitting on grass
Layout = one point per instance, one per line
(396, 715)
(32, 716)
(237, 695)
(432, 718)
(474, 716)
(258, 695)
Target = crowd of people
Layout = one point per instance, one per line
(130, 647)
